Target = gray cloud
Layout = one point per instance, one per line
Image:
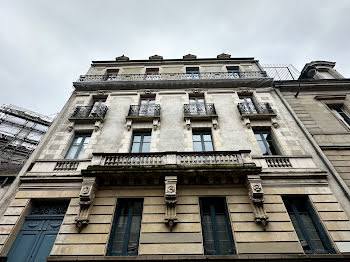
(46, 45)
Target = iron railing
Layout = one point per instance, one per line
(199, 109)
(144, 110)
(173, 76)
(89, 111)
(256, 108)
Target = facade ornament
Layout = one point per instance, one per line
(215, 123)
(128, 124)
(70, 127)
(188, 123)
(122, 58)
(155, 57)
(256, 195)
(274, 122)
(148, 91)
(170, 201)
(87, 195)
(195, 91)
(189, 56)
(224, 56)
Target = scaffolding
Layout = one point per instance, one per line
(20, 132)
(281, 72)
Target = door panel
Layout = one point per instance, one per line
(23, 246)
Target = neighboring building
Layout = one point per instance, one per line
(177, 159)
(20, 132)
(320, 99)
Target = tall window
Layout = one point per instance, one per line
(248, 104)
(197, 105)
(216, 228)
(310, 232)
(192, 72)
(152, 73)
(141, 142)
(233, 71)
(266, 143)
(147, 106)
(338, 111)
(78, 146)
(202, 141)
(124, 240)
(97, 108)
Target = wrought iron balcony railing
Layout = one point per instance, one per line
(173, 76)
(255, 109)
(199, 110)
(89, 112)
(144, 111)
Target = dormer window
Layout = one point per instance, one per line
(233, 71)
(152, 73)
(111, 73)
(192, 72)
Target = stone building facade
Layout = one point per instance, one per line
(176, 159)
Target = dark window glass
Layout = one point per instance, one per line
(152, 71)
(233, 71)
(112, 72)
(78, 146)
(141, 142)
(216, 227)
(125, 233)
(266, 143)
(192, 72)
(341, 114)
(202, 141)
(310, 232)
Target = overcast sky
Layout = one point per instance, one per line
(45, 45)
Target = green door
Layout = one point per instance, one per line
(38, 233)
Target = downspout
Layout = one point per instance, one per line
(315, 146)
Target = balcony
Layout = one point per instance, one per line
(172, 76)
(199, 110)
(87, 114)
(143, 113)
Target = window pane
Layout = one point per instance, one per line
(137, 138)
(208, 146)
(147, 139)
(145, 147)
(135, 148)
(197, 138)
(207, 137)
(263, 148)
(71, 152)
(197, 146)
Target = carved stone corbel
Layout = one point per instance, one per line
(247, 122)
(70, 128)
(155, 124)
(274, 122)
(87, 195)
(170, 201)
(215, 123)
(256, 195)
(188, 123)
(128, 124)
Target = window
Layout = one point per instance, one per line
(310, 232)
(152, 73)
(197, 106)
(202, 141)
(124, 240)
(98, 106)
(216, 227)
(141, 142)
(248, 105)
(111, 73)
(78, 146)
(147, 107)
(233, 71)
(338, 111)
(266, 143)
(192, 72)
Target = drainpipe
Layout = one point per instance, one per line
(315, 146)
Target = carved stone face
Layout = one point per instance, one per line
(85, 190)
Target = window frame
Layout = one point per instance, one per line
(232, 70)
(142, 134)
(338, 115)
(202, 133)
(214, 226)
(315, 220)
(274, 143)
(251, 106)
(80, 146)
(126, 239)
